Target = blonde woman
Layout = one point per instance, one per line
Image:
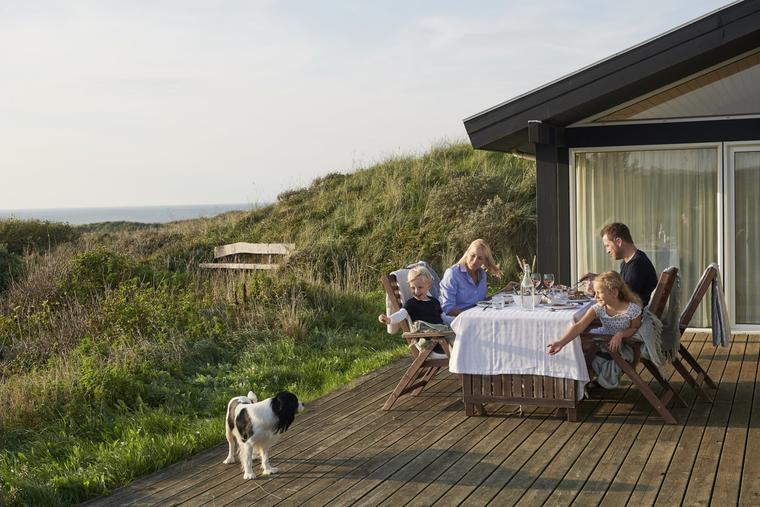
(465, 283)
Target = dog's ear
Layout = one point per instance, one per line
(285, 406)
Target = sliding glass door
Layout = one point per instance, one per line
(666, 196)
(744, 208)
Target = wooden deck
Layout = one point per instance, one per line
(345, 450)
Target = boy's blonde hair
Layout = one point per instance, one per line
(420, 271)
(613, 281)
(489, 263)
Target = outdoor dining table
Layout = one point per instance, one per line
(501, 356)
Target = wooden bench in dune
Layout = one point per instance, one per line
(272, 251)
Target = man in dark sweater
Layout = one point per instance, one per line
(636, 268)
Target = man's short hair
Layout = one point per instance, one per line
(617, 230)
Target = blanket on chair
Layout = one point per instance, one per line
(721, 331)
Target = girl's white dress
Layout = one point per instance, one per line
(608, 373)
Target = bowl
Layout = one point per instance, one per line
(518, 300)
(556, 298)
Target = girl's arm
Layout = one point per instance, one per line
(618, 338)
(573, 332)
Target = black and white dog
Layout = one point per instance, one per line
(254, 425)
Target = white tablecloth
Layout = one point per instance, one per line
(512, 340)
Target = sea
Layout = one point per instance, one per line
(143, 214)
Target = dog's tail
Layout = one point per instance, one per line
(252, 397)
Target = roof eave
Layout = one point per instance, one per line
(693, 47)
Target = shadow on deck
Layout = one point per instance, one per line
(345, 450)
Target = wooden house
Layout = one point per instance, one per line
(665, 137)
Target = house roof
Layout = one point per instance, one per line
(674, 55)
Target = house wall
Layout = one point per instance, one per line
(552, 170)
(553, 188)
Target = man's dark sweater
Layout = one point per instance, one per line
(639, 274)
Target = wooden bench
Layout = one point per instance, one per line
(258, 249)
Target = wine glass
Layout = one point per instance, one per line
(549, 280)
(536, 278)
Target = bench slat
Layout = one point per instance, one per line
(253, 248)
(238, 265)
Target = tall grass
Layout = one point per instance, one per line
(117, 354)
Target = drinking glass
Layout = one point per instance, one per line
(536, 278)
(549, 280)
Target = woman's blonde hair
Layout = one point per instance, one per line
(613, 281)
(490, 264)
(420, 271)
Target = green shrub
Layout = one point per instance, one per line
(96, 271)
(22, 236)
(10, 266)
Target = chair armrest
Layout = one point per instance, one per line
(432, 335)
(607, 337)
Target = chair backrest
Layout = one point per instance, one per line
(696, 297)
(394, 297)
(662, 292)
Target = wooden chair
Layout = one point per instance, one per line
(657, 305)
(422, 368)
(698, 377)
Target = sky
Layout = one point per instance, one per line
(138, 103)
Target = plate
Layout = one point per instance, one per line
(555, 307)
(483, 303)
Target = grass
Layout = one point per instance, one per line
(101, 448)
(118, 355)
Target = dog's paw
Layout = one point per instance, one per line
(248, 476)
(270, 471)
(229, 461)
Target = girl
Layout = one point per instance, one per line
(421, 307)
(619, 311)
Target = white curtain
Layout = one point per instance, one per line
(668, 198)
(747, 184)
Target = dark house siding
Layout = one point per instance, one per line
(538, 122)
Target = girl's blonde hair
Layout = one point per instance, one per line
(489, 262)
(420, 271)
(613, 281)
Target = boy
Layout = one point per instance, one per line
(420, 307)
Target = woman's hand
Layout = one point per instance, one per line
(510, 287)
(615, 342)
(555, 347)
(384, 319)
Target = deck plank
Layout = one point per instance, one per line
(682, 443)
(628, 475)
(433, 471)
(543, 473)
(462, 466)
(728, 479)
(349, 454)
(347, 451)
(652, 475)
(749, 493)
(340, 417)
(607, 423)
(705, 466)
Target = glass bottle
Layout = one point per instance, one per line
(527, 290)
